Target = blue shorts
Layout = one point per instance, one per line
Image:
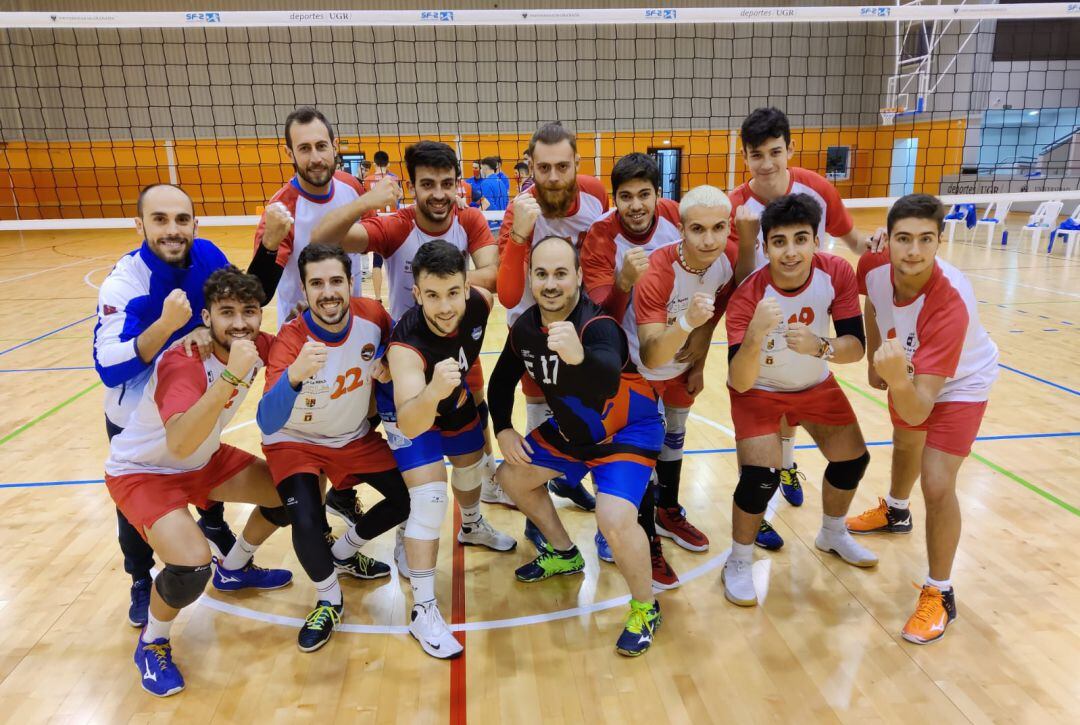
(431, 445)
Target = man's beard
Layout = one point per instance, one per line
(556, 202)
(314, 180)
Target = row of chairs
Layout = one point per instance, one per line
(1045, 219)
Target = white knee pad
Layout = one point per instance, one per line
(674, 433)
(536, 414)
(468, 478)
(428, 504)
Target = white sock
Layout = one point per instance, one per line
(787, 447)
(329, 590)
(741, 552)
(897, 503)
(155, 628)
(833, 524)
(535, 414)
(347, 545)
(423, 585)
(470, 514)
(944, 585)
(240, 554)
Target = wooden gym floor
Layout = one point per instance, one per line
(824, 646)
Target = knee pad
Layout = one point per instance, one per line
(674, 433)
(468, 478)
(535, 415)
(427, 509)
(278, 516)
(180, 586)
(757, 485)
(845, 475)
(482, 411)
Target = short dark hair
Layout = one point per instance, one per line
(304, 115)
(432, 154)
(635, 166)
(574, 249)
(790, 210)
(381, 158)
(229, 283)
(147, 189)
(763, 124)
(319, 252)
(440, 258)
(491, 162)
(917, 206)
(521, 166)
(551, 134)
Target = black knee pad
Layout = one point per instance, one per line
(482, 411)
(278, 516)
(180, 586)
(845, 475)
(757, 485)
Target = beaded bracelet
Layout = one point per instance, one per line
(232, 379)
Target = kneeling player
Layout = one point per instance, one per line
(314, 420)
(605, 421)
(432, 413)
(171, 455)
(938, 365)
(779, 354)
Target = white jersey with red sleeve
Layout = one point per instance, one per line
(332, 407)
(177, 383)
(940, 329)
(589, 206)
(829, 291)
(664, 292)
(306, 209)
(397, 238)
(608, 240)
(835, 218)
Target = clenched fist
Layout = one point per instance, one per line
(747, 223)
(891, 362)
(242, 358)
(385, 193)
(767, 316)
(635, 262)
(310, 360)
(445, 378)
(563, 340)
(277, 221)
(802, 340)
(176, 311)
(701, 309)
(526, 212)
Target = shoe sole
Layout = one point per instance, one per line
(882, 530)
(498, 501)
(317, 647)
(437, 654)
(768, 548)
(334, 512)
(486, 546)
(165, 694)
(606, 561)
(665, 587)
(680, 541)
(137, 625)
(638, 653)
(549, 576)
(368, 577)
(919, 640)
(740, 602)
(860, 564)
(258, 589)
(790, 502)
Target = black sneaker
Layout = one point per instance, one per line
(140, 602)
(345, 505)
(361, 567)
(576, 495)
(319, 626)
(220, 536)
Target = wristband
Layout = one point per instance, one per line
(684, 324)
(233, 380)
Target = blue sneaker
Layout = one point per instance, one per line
(250, 577)
(534, 535)
(160, 676)
(791, 485)
(767, 537)
(603, 551)
(641, 626)
(140, 602)
(577, 495)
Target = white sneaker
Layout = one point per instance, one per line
(844, 545)
(492, 492)
(399, 554)
(484, 534)
(738, 582)
(429, 629)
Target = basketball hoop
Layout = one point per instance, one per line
(889, 113)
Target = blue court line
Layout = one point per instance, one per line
(1041, 380)
(45, 370)
(53, 332)
(695, 452)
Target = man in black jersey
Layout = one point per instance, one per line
(605, 421)
(431, 348)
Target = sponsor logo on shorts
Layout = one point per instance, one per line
(367, 352)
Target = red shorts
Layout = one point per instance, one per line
(758, 412)
(144, 498)
(474, 378)
(950, 427)
(530, 388)
(673, 391)
(368, 454)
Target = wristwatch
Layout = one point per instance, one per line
(825, 350)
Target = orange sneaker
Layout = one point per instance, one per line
(935, 610)
(882, 519)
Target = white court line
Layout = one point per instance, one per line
(712, 424)
(86, 277)
(50, 269)
(1022, 284)
(238, 426)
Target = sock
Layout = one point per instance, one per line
(422, 582)
(833, 524)
(787, 446)
(347, 545)
(897, 503)
(470, 514)
(668, 474)
(944, 585)
(741, 552)
(155, 629)
(568, 553)
(535, 414)
(329, 590)
(240, 554)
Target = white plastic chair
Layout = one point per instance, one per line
(996, 214)
(1069, 231)
(959, 214)
(1043, 220)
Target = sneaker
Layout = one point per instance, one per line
(429, 629)
(663, 576)
(550, 564)
(672, 523)
(400, 561)
(361, 567)
(844, 545)
(641, 626)
(319, 626)
(603, 551)
(481, 533)
(345, 505)
(250, 577)
(492, 492)
(220, 538)
(576, 495)
(935, 611)
(738, 581)
(791, 485)
(768, 537)
(160, 675)
(140, 602)
(882, 519)
(533, 534)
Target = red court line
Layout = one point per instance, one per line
(458, 710)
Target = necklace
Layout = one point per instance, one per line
(682, 260)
